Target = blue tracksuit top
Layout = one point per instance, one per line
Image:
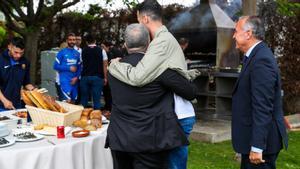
(66, 58)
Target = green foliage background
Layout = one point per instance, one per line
(3, 34)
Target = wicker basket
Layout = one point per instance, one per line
(51, 118)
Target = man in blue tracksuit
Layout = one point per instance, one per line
(68, 65)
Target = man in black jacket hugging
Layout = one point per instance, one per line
(143, 126)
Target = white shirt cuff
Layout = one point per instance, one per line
(256, 150)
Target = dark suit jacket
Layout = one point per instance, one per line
(143, 118)
(257, 116)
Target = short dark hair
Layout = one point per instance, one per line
(18, 42)
(78, 35)
(150, 8)
(90, 38)
(107, 43)
(71, 34)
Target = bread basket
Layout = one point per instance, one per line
(52, 118)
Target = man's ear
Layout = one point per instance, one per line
(249, 34)
(146, 19)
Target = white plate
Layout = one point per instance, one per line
(11, 141)
(53, 133)
(18, 131)
(38, 137)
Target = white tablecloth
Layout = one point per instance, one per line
(68, 153)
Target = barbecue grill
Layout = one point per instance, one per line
(209, 30)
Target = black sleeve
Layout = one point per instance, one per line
(26, 79)
(176, 83)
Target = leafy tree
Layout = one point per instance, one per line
(106, 25)
(22, 18)
(282, 18)
(2, 34)
(288, 8)
(28, 20)
(170, 11)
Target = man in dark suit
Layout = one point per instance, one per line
(258, 130)
(143, 125)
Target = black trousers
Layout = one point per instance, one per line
(107, 97)
(77, 101)
(58, 91)
(269, 164)
(127, 160)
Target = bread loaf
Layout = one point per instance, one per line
(96, 114)
(90, 128)
(80, 123)
(84, 118)
(87, 111)
(96, 122)
(56, 106)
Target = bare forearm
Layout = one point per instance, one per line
(7, 103)
(105, 64)
(2, 97)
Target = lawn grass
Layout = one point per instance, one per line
(221, 155)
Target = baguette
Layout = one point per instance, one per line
(49, 101)
(26, 99)
(36, 103)
(58, 108)
(39, 98)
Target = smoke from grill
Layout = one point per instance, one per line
(209, 30)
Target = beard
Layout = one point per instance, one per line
(13, 57)
(16, 58)
(71, 45)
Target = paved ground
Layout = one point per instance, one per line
(212, 131)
